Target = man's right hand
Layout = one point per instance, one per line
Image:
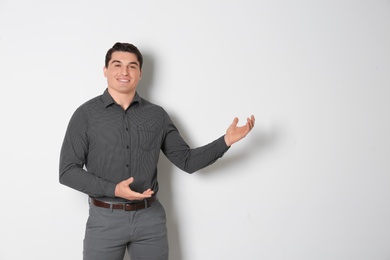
(123, 190)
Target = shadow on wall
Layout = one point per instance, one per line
(145, 85)
(261, 140)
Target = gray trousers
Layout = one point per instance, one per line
(110, 232)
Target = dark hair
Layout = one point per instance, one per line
(125, 47)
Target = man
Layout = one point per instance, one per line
(110, 152)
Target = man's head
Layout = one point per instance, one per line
(123, 69)
(124, 47)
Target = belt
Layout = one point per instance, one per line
(146, 203)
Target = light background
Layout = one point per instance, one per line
(311, 181)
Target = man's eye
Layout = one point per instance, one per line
(117, 65)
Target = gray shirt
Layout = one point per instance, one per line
(105, 145)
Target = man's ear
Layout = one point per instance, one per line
(105, 71)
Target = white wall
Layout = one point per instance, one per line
(312, 181)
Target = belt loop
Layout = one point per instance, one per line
(111, 207)
(146, 203)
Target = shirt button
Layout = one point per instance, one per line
(127, 165)
(127, 147)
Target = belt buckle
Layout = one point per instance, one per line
(127, 206)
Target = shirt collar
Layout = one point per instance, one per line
(108, 100)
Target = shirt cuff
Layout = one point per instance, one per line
(110, 192)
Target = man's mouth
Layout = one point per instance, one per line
(124, 80)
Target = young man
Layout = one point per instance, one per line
(110, 152)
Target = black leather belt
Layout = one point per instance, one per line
(146, 203)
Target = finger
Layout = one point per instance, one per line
(148, 191)
(141, 196)
(129, 181)
(249, 123)
(145, 195)
(235, 121)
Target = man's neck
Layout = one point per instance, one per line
(122, 99)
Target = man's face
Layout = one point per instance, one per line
(123, 72)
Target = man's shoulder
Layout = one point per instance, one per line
(95, 101)
(93, 105)
(150, 105)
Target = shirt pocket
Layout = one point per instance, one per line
(148, 138)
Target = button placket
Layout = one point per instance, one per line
(126, 139)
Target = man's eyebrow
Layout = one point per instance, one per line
(132, 62)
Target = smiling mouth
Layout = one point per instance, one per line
(124, 80)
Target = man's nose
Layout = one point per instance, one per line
(125, 70)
